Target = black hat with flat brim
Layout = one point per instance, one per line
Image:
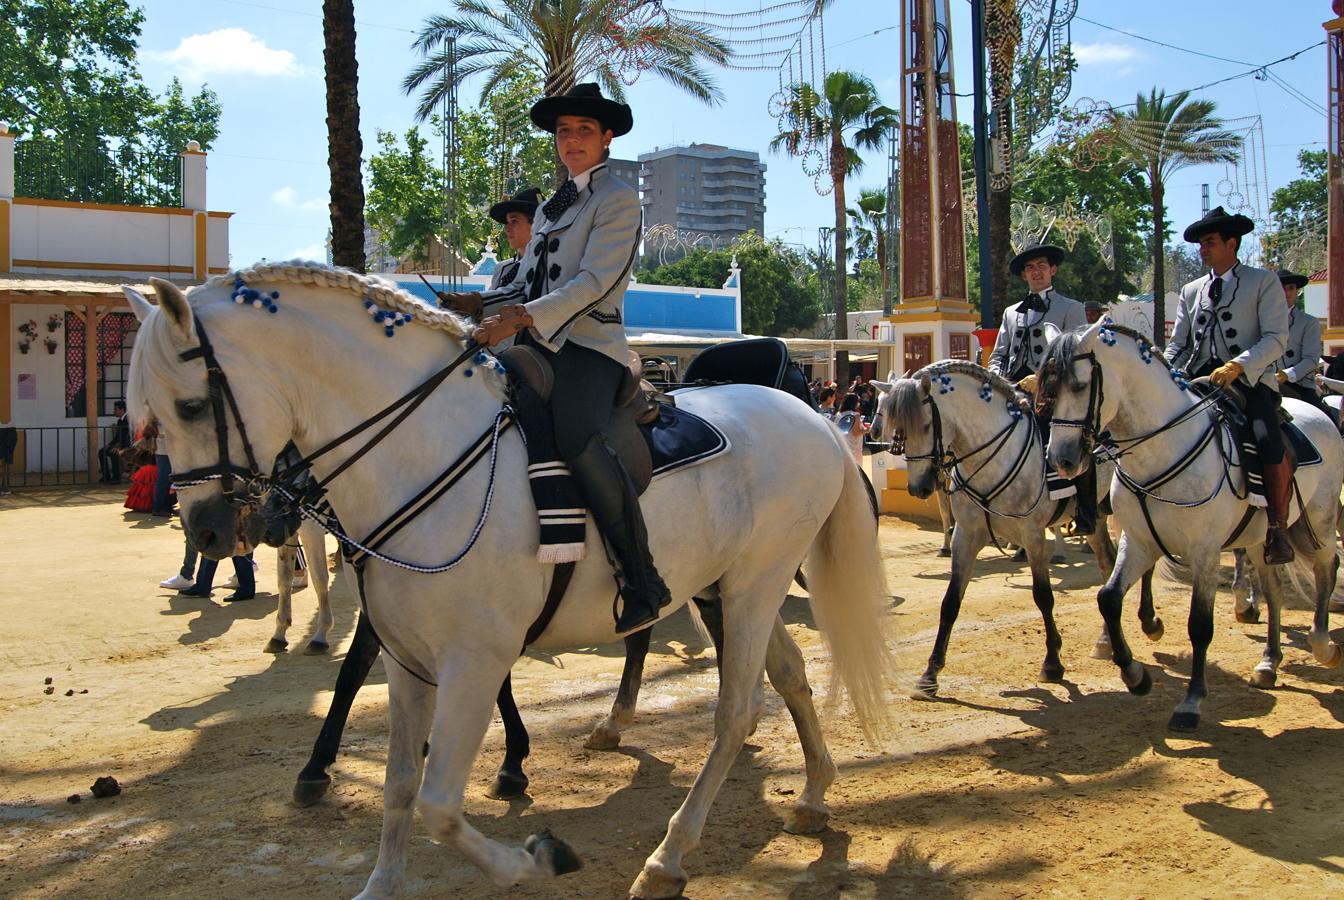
(1218, 221)
(583, 100)
(1053, 255)
(1286, 277)
(525, 201)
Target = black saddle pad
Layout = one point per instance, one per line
(678, 439)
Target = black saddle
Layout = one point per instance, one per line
(764, 361)
(1231, 400)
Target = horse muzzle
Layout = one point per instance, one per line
(1068, 457)
(218, 529)
(920, 485)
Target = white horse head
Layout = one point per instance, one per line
(1066, 376)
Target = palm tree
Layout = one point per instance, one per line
(344, 146)
(1164, 135)
(846, 117)
(559, 43)
(869, 216)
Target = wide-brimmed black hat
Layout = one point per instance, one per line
(583, 100)
(1217, 220)
(1286, 277)
(525, 201)
(1053, 255)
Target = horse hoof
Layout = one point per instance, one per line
(317, 648)
(1331, 658)
(275, 645)
(1184, 721)
(925, 689)
(1020, 555)
(309, 791)
(657, 886)
(945, 551)
(805, 820)
(553, 853)
(507, 786)
(1264, 678)
(1102, 650)
(1052, 673)
(1154, 629)
(603, 738)
(1144, 684)
(1248, 616)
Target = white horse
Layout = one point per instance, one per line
(961, 422)
(735, 527)
(1176, 494)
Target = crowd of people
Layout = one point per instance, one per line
(852, 412)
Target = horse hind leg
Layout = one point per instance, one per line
(1149, 620)
(1052, 669)
(606, 735)
(945, 515)
(788, 676)
(747, 630)
(1245, 592)
(1266, 672)
(1325, 571)
(511, 781)
(284, 588)
(315, 553)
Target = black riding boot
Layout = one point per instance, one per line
(1085, 503)
(613, 501)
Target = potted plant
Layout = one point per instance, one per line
(51, 345)
(29, 331)
(54, 323)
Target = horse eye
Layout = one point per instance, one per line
(1078, 388)
(190, 409)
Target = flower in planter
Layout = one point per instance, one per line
(29, 330)
(54, 322)
(24, 345)
(51, 345)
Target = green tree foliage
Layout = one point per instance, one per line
(1302, 204)
(775, 299)
(407, 183)
(69, 85)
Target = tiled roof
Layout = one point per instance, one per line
(1321, 275)
(34, 284)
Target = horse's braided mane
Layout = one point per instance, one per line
(382, 291)
(1059, 356)
(1000, 384)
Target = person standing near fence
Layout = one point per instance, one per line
(109, 455)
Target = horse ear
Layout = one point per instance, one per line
(174, 303)
(883, 386)
(925, 385)
(139, 305)
(1089, 337)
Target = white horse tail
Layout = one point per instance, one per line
(849, 592)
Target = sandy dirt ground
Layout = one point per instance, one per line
(1004, 788)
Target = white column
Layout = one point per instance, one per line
(193, 177)
(6, 162)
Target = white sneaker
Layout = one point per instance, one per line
(178, 583)
(232, 583)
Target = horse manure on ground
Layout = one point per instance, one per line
(106, 786)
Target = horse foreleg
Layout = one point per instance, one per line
(966, 543)
(315, 551)
(784, 665)
(1130, 564)
(314, 780)
(1245, 595)
(1205, 573)
(945, 515)
(284, 587)
(410, 707)
(463, 705)
(747, 629)
(511, 781)
(1044, 596)
(606, 735)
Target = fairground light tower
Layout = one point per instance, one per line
(934, 320)
(1334, 44)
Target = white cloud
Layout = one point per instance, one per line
(289, 199)
(1102, 52)
(227, 51)
(316, 252)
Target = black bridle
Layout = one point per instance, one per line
(254, 482)
(1090, 424)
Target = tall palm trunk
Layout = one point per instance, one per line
(839, 160)
(344, 146)
(1000, 248)
(882, 269)
(1159, 260)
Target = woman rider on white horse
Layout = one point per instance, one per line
(568, 305)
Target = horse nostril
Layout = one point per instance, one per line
(204, 538)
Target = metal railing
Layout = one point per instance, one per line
(46, 169)
(53, 456)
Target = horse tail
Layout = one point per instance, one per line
(848, 588)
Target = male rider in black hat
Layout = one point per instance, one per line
(1232, 325)
(1022, 341)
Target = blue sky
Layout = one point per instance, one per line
(264, 59)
